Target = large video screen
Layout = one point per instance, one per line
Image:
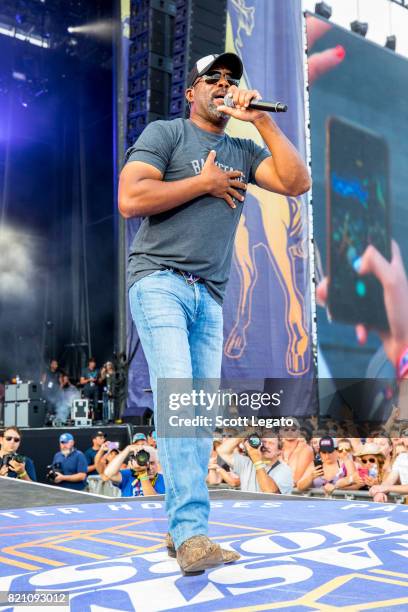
(359, 146)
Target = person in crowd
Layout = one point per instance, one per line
(98, 440)
(259, 469)
(314, 443)
(90, 390)
(370, 464)
(395, 482)
(344, 449)
(384, 442)
(404, 437)
(329, 472)
(69, 465)
(296, 452)
(67, 394)
(139, 439)
(12, 463)
(140, 478)
(104, 455)
(218, 471)
(306, 431)
(107, 381)
(50, 381)
(152, 439)
(398, 449)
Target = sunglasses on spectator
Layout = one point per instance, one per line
(370, 460)
(11, 438)
(344, 450)
(213, 77)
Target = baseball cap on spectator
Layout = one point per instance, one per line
(66, 437)
(327, 445)
(203, 65)
(139, 436)
(97, 434)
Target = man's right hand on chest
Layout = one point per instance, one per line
(222, 184)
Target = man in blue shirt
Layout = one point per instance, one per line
(140, 478)
(12, 464)
(97, 440)
(70, 465)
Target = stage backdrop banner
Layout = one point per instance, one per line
(268, 306)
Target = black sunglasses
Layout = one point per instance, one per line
(213, 77)
(10, 438)
(370, 460)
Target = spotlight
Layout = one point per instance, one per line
(359, 27)
(391, 42)
(323, 9)
(19, 76)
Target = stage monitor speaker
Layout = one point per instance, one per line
(28, 391)
(9, 414)
(30, 414)
(10, 393)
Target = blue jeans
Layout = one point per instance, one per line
(180, 327)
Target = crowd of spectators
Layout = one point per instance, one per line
(295, 461)
(323, 463)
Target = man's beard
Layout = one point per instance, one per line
(216, 116)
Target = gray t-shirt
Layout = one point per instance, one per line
(281, 474)
(198, 236)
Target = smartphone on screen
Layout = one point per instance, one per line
(363, 472)
(318, 461)
(358, 214)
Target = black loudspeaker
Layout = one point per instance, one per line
(28, 391)
(150, 63)
(199, 30)
(30, 414)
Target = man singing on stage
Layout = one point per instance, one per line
(188, 179)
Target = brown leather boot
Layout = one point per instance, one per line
(197, 554)
(229, 556)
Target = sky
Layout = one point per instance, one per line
(383, 18)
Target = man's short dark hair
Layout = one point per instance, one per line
(92, 359)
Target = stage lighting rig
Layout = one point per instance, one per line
(323, 9)
(359, 27)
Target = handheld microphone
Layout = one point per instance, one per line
(270, 107)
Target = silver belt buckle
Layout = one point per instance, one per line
(190, 278)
